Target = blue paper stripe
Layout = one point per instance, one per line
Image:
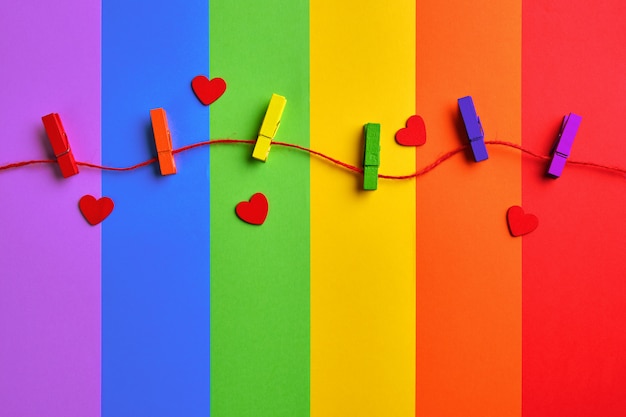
(155, 245)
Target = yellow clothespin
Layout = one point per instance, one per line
(269, 127)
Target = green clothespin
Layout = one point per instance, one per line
(371, 156)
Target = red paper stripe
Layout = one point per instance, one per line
(574, 296)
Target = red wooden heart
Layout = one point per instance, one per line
(414, 134)
(520, 223)
(94, 210)
(253, 211)
(207, 90)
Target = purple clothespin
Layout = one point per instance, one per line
(474, 128)
(564, 144)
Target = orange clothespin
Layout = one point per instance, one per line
(163, 140)
(60, 144)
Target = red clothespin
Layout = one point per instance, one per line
(163, 140)
(60, 144)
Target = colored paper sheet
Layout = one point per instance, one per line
(49, 256)
(574, 269)
(469, 268)
(362, 242)
(402, 301)
(260, 274)
(155, 245)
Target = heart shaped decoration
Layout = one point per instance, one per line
(519, 222)
(94, 210)
(414, 134)
(253, 211)
(207, 90)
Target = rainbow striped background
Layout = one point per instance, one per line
(412, 300)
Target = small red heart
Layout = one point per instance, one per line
(253, 211)
(94, 210)
(520, 223)
(207, 90)
(414, 134)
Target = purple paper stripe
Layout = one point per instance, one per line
(49, 256)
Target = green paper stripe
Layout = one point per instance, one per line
(260, 331)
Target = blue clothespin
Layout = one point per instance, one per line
(474, 128)
(564, 143)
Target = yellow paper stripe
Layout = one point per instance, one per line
(362, 242)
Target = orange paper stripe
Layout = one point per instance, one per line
(468, 357)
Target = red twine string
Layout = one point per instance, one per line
(441, 159)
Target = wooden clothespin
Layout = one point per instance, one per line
(371, 156)
(269, 127)
(163, 140)
(474, 128)
(60, 144)
(564, 143)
